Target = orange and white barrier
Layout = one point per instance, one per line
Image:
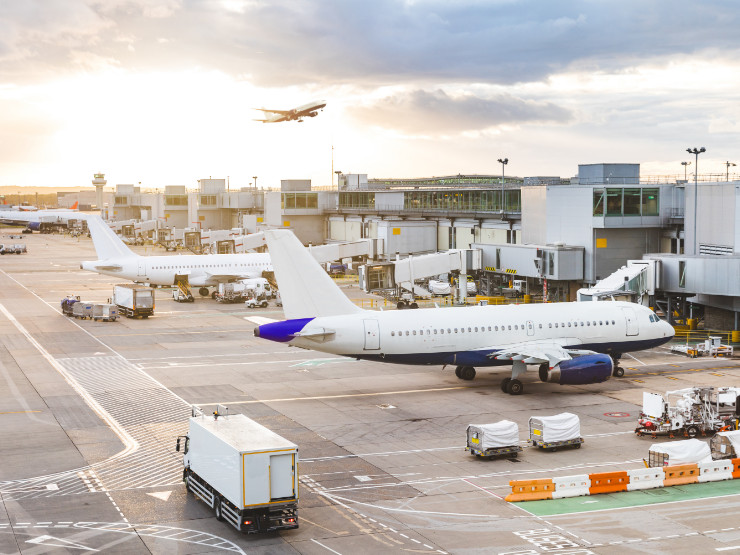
(715, 471)
(645, 478)
(627, 480)
(571, 486)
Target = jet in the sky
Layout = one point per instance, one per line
(203, 271)
(309, 110)
(570, 343)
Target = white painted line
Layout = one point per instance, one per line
(727, 548)
(637, 359)
(325, 547)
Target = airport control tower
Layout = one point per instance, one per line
(99, 182)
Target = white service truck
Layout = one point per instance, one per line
(133, 300)
(245, 472)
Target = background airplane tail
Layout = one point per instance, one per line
(306, 289)
(106, 242)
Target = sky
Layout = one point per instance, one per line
(164, 92)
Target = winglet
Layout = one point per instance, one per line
(306, 289)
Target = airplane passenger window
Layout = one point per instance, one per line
(517, 327)
(549, 325)
(496, 328)
(455, 330)
(414, 332)
(407, 332)
(540, 326)
(613, 323)
(594, 322)
(556, 324)
(600, 323)
(393, 333)
(421, 332)
(489, 328)
(476, 328)
(588, 323)
(509, 328)
(428, 332)
(435, 332)
(449, 330)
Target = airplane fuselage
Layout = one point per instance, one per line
(471, 335)
(202, 270)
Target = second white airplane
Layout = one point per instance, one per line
(310, 110)
(203, 271)
(570, 343)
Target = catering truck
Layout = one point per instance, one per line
(246, 473)
(134, 300)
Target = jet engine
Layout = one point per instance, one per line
(581, 370)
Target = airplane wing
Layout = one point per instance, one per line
(279, 112)
(537, 352)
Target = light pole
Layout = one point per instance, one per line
(503, 163)
(728, 164)
(685, 164)
(696, 152)
(255, 181)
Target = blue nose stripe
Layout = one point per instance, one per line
(281, 332)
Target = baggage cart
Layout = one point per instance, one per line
(493, 440)
(686, 451)
(68, 304)
(553, 432)
(82, 309)
(725, 445)
(105, 312)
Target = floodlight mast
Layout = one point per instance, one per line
(503, 163)
(696, 152)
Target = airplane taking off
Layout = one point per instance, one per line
(36, 220)
(310, 110)
(571, 343)
(203, 271)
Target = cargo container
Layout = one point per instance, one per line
(245, 472)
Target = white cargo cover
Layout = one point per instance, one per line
(439, 287)
(247, 463)
(652, 405)
(684, 452)
(559, 427)
(499, 434)
(733, 437)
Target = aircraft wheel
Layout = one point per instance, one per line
(203, 291)
(414, 305)
(213, 295)
(458, 369)
(400, 305)
(467, 373)
(543, 371)
(618, 372)
(515, 387)
(505, 384)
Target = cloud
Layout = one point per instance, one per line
(436, 112)
(325, 42)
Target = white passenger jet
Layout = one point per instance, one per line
(570, 343)
(310, 110)
(203, 271)
(38, 220)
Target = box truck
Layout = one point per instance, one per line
(245, 472)
(134, 300)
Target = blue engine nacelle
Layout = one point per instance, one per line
(581, 370)
(34, 226)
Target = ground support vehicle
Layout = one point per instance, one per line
(254, 302)
(105, 312)
(712, 347)
(133, 300)
(493, 440)
(553, 432)
(725, 445)
(688, 412)
(246, 473)
(686, 451)
(68, 304)
(82, 310)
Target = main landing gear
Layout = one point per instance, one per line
(512, 386)
(465, 372)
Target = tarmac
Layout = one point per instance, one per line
(90, 412)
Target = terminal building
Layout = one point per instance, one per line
(557, 234)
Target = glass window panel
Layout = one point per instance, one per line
(631, 202)
(650, 202)
(598, 202)
(614, 202)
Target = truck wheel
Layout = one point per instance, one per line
(219, 513)
(203, 291)
(692, 431)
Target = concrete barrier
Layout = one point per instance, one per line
(715, 471)
(645, 478)
(571, 486)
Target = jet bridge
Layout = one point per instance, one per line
(635, 282)
(404, 272)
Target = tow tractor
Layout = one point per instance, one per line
(688, 412)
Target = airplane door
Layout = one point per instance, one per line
(631, 319)
(530, 327)
(372, 335)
